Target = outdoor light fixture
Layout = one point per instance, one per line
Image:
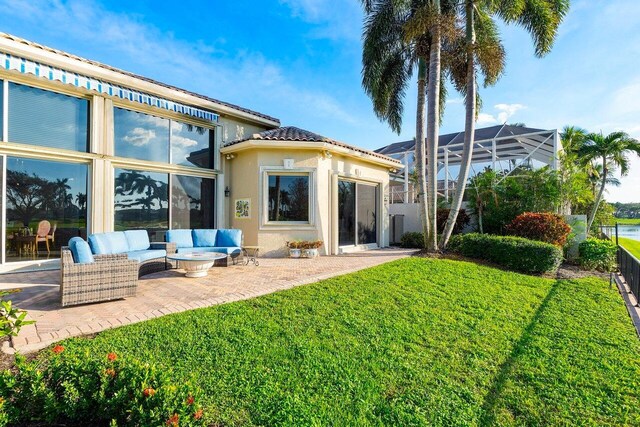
(227, 192)
(230, 156)
(327, 154)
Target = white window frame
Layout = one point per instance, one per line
(265, 224)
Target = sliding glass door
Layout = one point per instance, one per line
(357, 213)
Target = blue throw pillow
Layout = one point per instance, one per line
(80, 251)
(230, 237)
(182, 238)
(204, 238)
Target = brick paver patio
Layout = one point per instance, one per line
(169, 292)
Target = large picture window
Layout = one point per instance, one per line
(141, 136)
(141, 202)
(48, 119)
(191, 145)
(46, 205)
(192, 202)
(145, 137)
(288, 198)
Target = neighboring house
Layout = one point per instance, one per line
(501, 148)
(91, 148)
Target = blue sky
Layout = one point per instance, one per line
(299, 60)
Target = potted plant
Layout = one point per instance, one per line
(311, 248)
(295, 249)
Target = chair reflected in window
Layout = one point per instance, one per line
(42, 235)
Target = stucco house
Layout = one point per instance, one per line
(88, 148)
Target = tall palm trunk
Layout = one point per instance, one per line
(433, 125)
(605, 172)
(420, 148)
(469, 127)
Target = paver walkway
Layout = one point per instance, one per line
(169, 292)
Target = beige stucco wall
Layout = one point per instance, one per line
(245, 173)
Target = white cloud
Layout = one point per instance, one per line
(331, 19)
(485, 119)
(140, 137)
(181, 141)
(507, 110)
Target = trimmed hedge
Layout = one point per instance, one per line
(88, 390)
(412, 239)
(598, 254)
(513, 253)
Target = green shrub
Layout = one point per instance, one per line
(462, 220)
(66, 389)
(597, 254)
(542, 226)
(514, 253)
(11, 319)
(412, 239)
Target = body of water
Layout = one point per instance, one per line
(628, 231)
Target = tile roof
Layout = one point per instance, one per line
(136, 76)
(292, 133)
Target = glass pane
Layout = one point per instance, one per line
(192, 202)
(367, 217)
(346, 213)
(141, 202)
(141, 136)
(49, 119)
(46, 206)
(191, 145)
(289, 198)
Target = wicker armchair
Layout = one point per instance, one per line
(109, 277)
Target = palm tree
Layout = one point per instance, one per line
(484, 49)
(400, 37)
(611, 152)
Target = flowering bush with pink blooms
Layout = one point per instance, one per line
(66, 389)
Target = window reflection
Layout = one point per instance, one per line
(191, 202)
(141, 136)
(46, 206)
(288, 198)
(141, 202)
(49, 119)
(346, 213)
(367, 218)
(191, 145)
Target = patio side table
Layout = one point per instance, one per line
(251, 254)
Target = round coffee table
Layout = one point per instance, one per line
(196, 264)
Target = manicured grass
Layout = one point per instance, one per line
(631, 245)
(413, 342)
(627, 221)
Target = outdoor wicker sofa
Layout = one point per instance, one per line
(118, 260)
(135, 245)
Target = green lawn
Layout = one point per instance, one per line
(626, 221)
(413, 342)
(631, 245)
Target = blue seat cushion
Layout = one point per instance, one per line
(138, 240)
(108, 243)
(229, 238)
(80, 251)
(142, 256)
(182, 238)
(203, 238)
